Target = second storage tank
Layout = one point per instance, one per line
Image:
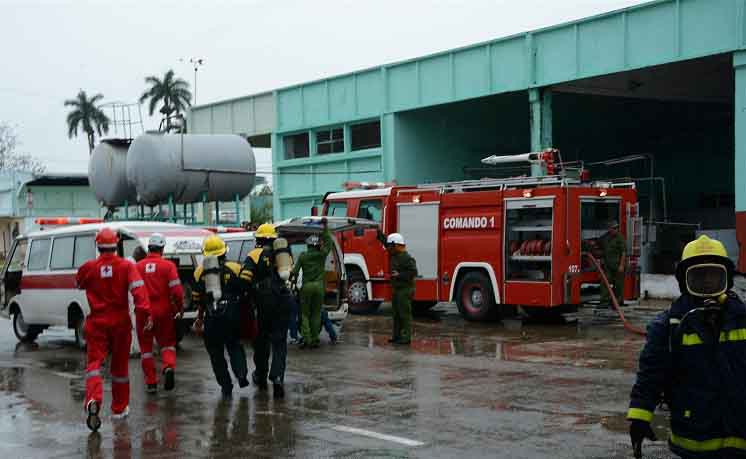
(186, 166)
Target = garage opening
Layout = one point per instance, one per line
(670, 129)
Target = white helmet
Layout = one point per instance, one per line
(157, 240)
(395, 238)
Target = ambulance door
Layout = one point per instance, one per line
(418, 223)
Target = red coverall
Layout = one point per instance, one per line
(166, 299)
(107, 280)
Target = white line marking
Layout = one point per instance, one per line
(380, 436)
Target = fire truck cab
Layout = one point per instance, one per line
(490, 245)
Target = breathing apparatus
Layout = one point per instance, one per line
(213, 249)
(283, 258)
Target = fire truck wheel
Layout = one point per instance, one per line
(357, 293)
(475, 298)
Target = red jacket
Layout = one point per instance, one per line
(107, 280)
(162, 280)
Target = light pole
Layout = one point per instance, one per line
(196, 62)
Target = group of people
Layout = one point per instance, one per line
(222, 292)
(156, 291)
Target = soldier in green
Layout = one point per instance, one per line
(313, 262)
(614, 259)
(403, 274)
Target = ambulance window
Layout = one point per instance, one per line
(62, 253)
(337, 209)
(19, 255)
(234, 250)
(39, 254)
(370, 210)
(247, 247)
(85, 249)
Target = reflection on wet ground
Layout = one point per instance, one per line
(460, 389)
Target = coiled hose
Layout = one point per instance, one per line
(627, 326)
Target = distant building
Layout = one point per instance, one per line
(25, 198)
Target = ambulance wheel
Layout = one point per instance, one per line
(357, 293)
(24, 332)
(474, 297)
(80, 330)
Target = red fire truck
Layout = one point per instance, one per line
(490, 245)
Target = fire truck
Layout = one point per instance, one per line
(491, 245)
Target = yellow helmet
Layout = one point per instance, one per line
(705, 270)
(704, 246)
(214, 246)
(266, 231)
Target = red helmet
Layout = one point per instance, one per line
(107, 239)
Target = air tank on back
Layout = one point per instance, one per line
(107, 173)
(186, 166)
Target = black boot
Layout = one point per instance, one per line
(261, 385)
(170, 381)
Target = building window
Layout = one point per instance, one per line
(296, 146)
(366, 135)
(330, 141)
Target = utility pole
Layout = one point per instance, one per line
(196, 62)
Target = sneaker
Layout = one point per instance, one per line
(122, 415)
(261, 385)
(227, 392)
(243, 382)
(296, 341)
(278, 390)
(152, 388)
(93, 421)
(170, 382)
(333, 341)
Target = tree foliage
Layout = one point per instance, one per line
(87, 116)
(171, 92)
(11, 159)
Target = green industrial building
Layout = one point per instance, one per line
(663, 82)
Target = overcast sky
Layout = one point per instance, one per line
(51, 49)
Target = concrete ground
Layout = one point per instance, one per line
(460, 390)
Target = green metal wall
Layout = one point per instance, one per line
(59, 201)
(654, 33)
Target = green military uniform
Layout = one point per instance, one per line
(614, 248)
(402, 287)
(313, 264)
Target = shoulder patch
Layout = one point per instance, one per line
(255, 255)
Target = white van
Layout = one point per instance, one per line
(37, 288)
(296, 230)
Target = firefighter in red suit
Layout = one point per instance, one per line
(166, 302)
(107, 280)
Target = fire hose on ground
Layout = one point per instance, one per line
(627, 326)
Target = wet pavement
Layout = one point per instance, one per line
(461, 390)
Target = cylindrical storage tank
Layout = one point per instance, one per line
(185, 166)
(107, 173)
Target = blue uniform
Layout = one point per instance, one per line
(699, 369)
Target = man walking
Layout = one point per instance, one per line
(312, 262)
(166, 301)
(107, 281)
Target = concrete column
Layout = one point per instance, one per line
(388, 147)
(277, 153)
(739, 65)
(540, 115)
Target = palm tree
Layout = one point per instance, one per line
(172, 91)
(88, 116)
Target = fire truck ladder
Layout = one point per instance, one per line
(501, 183)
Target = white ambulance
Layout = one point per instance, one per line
(37, 288)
